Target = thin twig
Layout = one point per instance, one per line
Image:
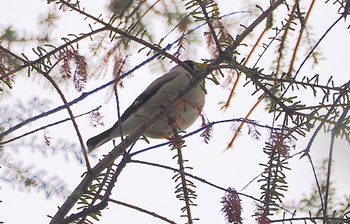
(142, 210)
(345, 90)
(319, 190)
(311, 52)
(178, 143)
(297, 44)
(66, 105)
(210, 25)
(44, 127)
(330, 159)
(200, 179)
(49, 54)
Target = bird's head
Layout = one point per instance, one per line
(195, 65)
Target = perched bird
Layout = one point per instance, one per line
(184, 112)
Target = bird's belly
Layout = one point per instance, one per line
(180, 116)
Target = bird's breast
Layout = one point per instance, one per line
(181, 115)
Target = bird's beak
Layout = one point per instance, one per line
(203, 65)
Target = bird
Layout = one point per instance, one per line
(184, 112)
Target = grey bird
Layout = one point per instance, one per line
(184, 112)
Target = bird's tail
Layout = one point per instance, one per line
(99, 140)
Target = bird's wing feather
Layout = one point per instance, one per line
(145, 95)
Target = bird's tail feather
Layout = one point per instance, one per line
(99, 140)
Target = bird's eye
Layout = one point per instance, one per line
(196, 67)
(193, 65)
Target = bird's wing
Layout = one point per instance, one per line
(145, 95)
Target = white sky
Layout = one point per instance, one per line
(152, 188)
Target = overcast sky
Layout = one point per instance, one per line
(153, 188)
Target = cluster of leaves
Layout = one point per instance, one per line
(232, 207)
(273, 179)
(21, 111)
(26, 178)
(185, 189)
(96, 197)
(80, 74)
(313, 203)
